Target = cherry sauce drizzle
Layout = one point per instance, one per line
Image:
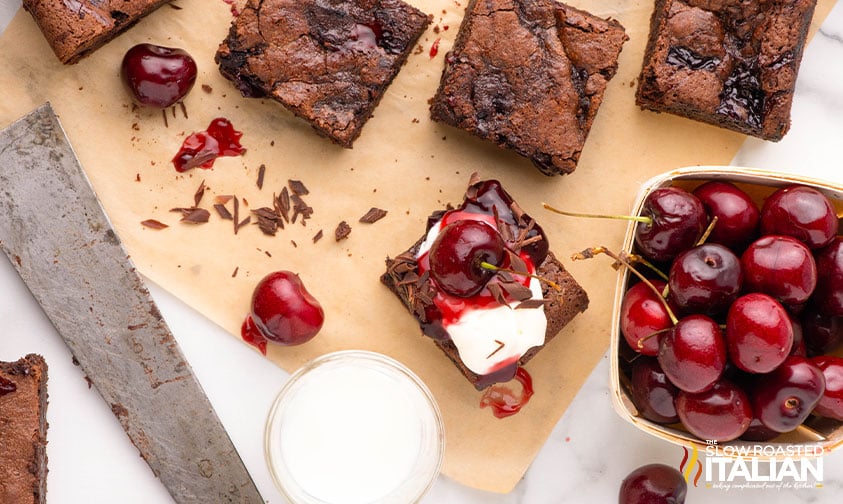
(202, 148)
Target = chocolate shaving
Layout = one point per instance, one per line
(154, 224)
(261, 173)
(530, 304)
(517, 291)
(197, 196)
(267, 220)
(497, 292)
(193, 215)
(298, 187)
(234, 273)
(501, 344)
(342, 231)
(236, 216)
(242, 223)
(282, 204)
(317, 236)
(373, 215)
(223, 211)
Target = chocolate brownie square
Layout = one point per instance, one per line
(23, 431)
(529, 75)
(730, 63)
(75, 28)
(327, 61)
(499, 319)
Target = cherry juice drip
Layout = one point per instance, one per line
(503, 400)
(252, 335)
(434, 48)
(7, 386)
(201, 149)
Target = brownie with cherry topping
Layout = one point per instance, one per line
(75, 28)
(731, 63)
(529, 75)
(555, 292)
(23, 430)
(327, 61)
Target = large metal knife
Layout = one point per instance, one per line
(55, 232)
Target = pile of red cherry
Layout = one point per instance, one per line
(733, 342)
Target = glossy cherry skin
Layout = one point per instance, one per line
(705, 279)
(828, 295)
(757, 431)
(693, 354)
(644, 317)
(780, 266)
(457, 252)
(783, 398)
(678, 220)
(802, 212)
(652, 392)
(831, 402)
(653, 484)
(737, 214)
(721, 413)
(284, 311)
(758, 332)
(157, 76)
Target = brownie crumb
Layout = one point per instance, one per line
(206, 88)
(342, 231)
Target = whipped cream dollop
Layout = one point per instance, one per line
(488, 336)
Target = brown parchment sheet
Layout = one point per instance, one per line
(402, 163)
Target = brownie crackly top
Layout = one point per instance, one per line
(730, 63)
(529, 75)
(327, 61)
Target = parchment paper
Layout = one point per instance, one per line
(402, 163)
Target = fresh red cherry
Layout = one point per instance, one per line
(653, 484)
(758, 333)
(828, 295)
(652, 392)
(284, 311)
(783, 398)
(802, 212)
(644, 317)
(157, 76)
(693, 354)
(721, 413)
(757, 431)
(677, 219)
(737, 214)
(799, 347)
(705, 279)
(821, 332)
(457, 253)
(831, 402)
(780, 266)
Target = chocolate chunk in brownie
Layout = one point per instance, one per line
(410, 278)
(75, 28)
(730, 63)
(327, 61)
(23, 430)
(529, 75)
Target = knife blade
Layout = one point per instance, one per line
(58, 237)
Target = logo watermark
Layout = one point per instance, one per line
(754, 466)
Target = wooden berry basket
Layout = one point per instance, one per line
(816, 432)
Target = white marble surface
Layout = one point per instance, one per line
(586, 457)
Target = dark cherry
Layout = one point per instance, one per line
(677, 219)
(758, 333)
(757, 431)
(799, 347)
(780, 266)
(721, 413)
(157, 76)
(821, 333)
(644, 317)
(693, 354)
(457, 252)
(783, 398)
(201, 149)
(705, 279)
(284, 311)
(652, 392)
(802, 212)
(737, 214)
(831, 402)
(828, 295)
(653, 484)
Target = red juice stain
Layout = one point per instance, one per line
(234, 11)
(252, 335)
(201, 149)
(505, 401)
(7, 386)
(434, 48)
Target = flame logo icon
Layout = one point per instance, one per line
(686, 466)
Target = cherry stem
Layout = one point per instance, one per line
(635, 258)
(492, 267)
(637, 218)
(591, 252)
(707, 231)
